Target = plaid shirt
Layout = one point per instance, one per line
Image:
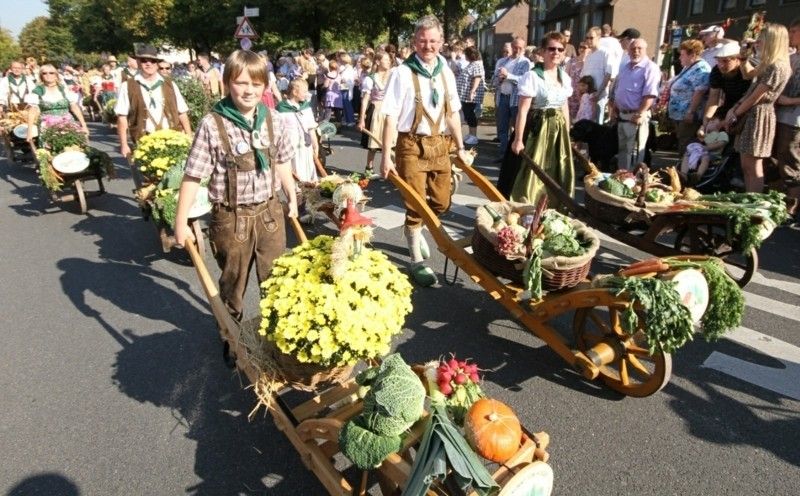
(207, 159)
(464, 81)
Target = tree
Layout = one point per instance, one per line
(46, 42)
(9, 50)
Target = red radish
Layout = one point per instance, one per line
(446, 389)
(452, 363)
(446, 376)
(474, 378)
(460, 379)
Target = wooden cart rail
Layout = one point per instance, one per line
(611, 354)
(79, 194)
(313, 426)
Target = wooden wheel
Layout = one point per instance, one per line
(80, 195)
(633, 371)
(198, 236)
(711, 239)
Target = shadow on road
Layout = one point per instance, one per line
(49, 483)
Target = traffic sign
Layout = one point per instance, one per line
(245, 43)
(245, 30)
(251, 12)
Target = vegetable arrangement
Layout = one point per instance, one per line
(393, 400)
(493, 430)
(456, 384)
(667, 321)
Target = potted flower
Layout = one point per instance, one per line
(157, 152)
(319, 322)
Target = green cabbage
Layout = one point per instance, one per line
(363, 447)
(616, 188)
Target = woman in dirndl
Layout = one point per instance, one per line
(51, 100)
(544, 91)
(372, 91)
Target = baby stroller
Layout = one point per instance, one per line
(723, 174)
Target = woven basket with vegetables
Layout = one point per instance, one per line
(566, 245)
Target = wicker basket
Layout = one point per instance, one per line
(611, 214)
(307, 376)
(557, 272)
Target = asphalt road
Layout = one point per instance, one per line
(111, 380)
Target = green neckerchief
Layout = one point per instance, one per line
(150, 90)
(285, 106)
(39, 91)
(228, 110)
(539, 70)
(416, 66)
(13, 79)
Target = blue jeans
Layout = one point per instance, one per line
(347, 106)
(506, 116)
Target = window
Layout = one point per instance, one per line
(597, 18)
(695, 7)
(727, 5)
(756, 3)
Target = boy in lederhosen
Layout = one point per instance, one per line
(246, 152)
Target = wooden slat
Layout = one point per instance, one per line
(322, 401)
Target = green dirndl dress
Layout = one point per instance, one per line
(549, 147)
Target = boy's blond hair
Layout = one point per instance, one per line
(244, 60)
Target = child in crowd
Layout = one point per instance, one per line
(283, 83)
(245, 151)
(298, 120)
(333, 96)
(699, 154)
(588, 99)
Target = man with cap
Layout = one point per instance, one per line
(625, 40)
(146, 103)
(712, 39)
(635, 92)
(725, 82)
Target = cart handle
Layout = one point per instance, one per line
(218, 308)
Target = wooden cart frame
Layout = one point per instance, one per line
(75, 182)
(694, 232)
(313, 426)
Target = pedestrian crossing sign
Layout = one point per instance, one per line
(245, 30)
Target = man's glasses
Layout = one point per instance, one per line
(555, 49)
(163, 68)
(48, 73)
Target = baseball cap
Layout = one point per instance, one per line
(630, 33)
(713, 29)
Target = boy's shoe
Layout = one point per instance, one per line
(423, 275)
(471, 140)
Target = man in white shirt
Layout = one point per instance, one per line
(507, 77)
(602, 67)
(14, 87)
(147, 102)
(420, 107)
(712, 39)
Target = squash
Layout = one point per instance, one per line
(493, 430)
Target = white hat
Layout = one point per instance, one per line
(728, 50)
(714, 29)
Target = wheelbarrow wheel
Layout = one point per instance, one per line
(633, 370)
(707, 239)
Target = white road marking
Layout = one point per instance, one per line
(785, 380)
(388, 217)
(771, 305)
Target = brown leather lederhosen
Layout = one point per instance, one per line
(240, 233)
(424, 161)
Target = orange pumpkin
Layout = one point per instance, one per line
(492, 430)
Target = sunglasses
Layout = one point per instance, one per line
(553, 49)
(161, 68)
(148, 61)
(48, 73)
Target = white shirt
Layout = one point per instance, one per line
(597, 65)
(26, 85)
(545, 95)
(123, 105)
(399, 103)
(710, 54)
(613, 47)
(33, 98)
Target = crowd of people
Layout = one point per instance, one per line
(411, 102)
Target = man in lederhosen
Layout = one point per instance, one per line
(146, 103)
(421, 107)
(14, 88)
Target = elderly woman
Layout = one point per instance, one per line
(757, 106)
(545, 90)
(687, 93)
(52, 99)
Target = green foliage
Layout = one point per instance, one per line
(616, 188)
(47, 174)
(741, 208)
(199, 103)
(9, 50)
(62, 134)
(363, 447)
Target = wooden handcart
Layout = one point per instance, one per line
(75, 183)
(313, 426)
(600, 348)
(665, 233)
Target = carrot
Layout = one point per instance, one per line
(647, 261)
(655, 266)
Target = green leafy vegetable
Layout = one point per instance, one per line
(616, 188)
(363, 447)
(654, 195)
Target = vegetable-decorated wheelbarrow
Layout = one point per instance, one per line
(727, 226)
(313, 426)
(607, 344)
(70, 169)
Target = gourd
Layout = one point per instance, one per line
(492, 430)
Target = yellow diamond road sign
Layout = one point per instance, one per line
(245, 30)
